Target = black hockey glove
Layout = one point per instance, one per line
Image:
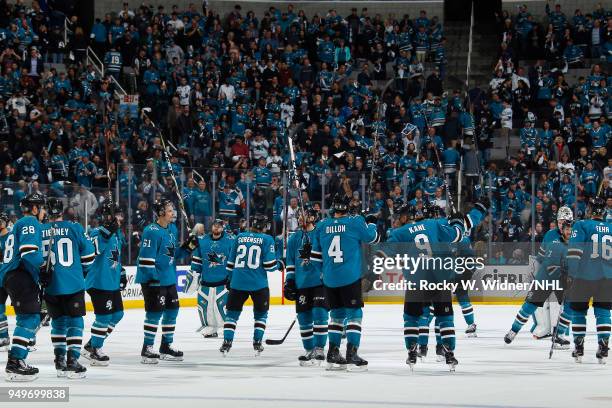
(214, 258)
(290, 290)
(306, 250)
(228, 285)
(483, 205)
(190, 243)
(45, 275)
(110, 227)
(456, 219)
(371, 218)
(122, 279)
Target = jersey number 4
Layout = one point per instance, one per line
(335, 251)
(252, 255)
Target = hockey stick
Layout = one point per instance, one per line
(446, 186)
(46, 319)
(556, 329)
(273, 342)
(293, 169)
(145, 112)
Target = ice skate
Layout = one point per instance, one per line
(258, 347)
(74, 370)
(449, 356)
(167, 353)
(412, 356)
(471, 330)
(353, 361)
(18, 371)
(602, 351)
(148, 355)
(439, 353)
(5, 344)
(225, 347)
(319, 355)
(335, 361)
(60, 365)
(307, 359)
(509, 337)
(578, 352)
(422, 353)
(561, 343)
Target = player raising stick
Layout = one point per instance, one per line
(252, 257)
(589, 261)
(156, 273)
(337, 244)
(104, 282)
(303, 284)
(22, 263)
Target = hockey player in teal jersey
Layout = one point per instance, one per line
(253, 255)
(105, 281)
(303, 285)
(462, 249)
(22, 263)
(71, 254)
(337, 244)
(156, 273)
(5, 340)
(424, 234)
(550, 266)
(589, 262)
(209, 272)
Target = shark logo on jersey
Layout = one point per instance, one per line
(109, 305)
(114, 258)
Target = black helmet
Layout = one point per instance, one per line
(312, 215)
(108, 208)
(159, 206)
(259, 222)
(31, 200)
(55, 206)
(598, 207)
(340, 203)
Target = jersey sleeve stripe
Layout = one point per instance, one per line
(146, 262)
(269, 263)
(290, 268)
(375, 237)
(27, 248)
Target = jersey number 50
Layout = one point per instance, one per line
(64, 251)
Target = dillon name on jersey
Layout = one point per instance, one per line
(337, 244)
(253, 255)
(158, 251)
(307, 274)
(71, 255)
(212, 272)
(589, 254)
(23, 247)
(105, 273)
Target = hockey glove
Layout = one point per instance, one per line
(227, 285)
(191, 281)
(290, 290)
(483, 205)
(123, 279)
(45, 275)
(306, 250)
(457, 219)
(109, 228)
(190, 243)
(371, 219)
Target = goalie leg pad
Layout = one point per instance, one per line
(219, 306)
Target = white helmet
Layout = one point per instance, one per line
(565, 214)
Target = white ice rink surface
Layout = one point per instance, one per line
(490, 374)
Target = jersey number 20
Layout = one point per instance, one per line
(252, 258)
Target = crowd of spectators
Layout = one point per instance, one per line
(227, 91)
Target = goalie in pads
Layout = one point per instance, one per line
(209, 272)
(549, 267)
